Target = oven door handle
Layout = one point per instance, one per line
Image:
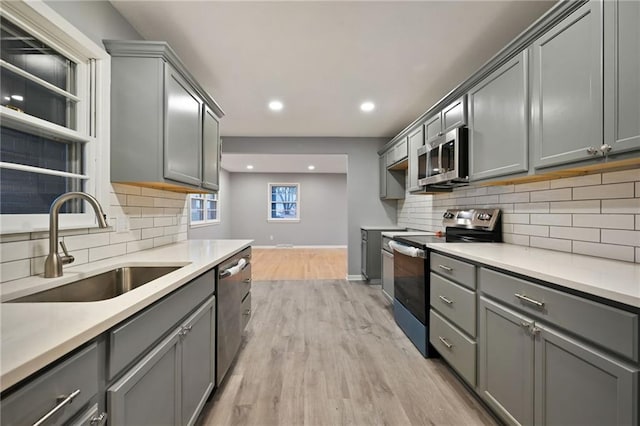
(407, 250)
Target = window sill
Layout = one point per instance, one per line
(202, 224)
(283, 220)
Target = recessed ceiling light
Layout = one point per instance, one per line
(311, 167)
(275, 105)
(367, 106)
(17, 97)
(250, 167)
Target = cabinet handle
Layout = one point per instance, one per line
(445, 300)
(98, 420)
(444, 342)
(247, 312)
(440, 133)
(606, 148)
(592, 150)
(446, 268)
(62, 401)
(185, 330)
(524, 298)
(247, 281)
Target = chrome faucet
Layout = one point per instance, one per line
(53, 263)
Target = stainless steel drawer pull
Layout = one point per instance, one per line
(446, 268)
(444, 342)
(524, 298)
(247, 312)
(98, 420)
(247, 280)
(62, 401)
(445, 300)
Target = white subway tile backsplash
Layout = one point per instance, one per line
(116, 238)
(98, 253)
(135, 200)
(551, 195)
(586, 180)
(610, 221)
(616, 236)
(537, 230)
(135, 246)
(638, 221)
(591, 206)
(601, 192)
(517, 197)
(13, 270)
(625, 206)
(515, 218)
(576, 234)
(551, 219)
(637, 254)
(152, 232)
(621, 176)
(500, 189)
(609, 251)
(550, 243)
(119, 188)
(164, 221)
(487, 200)
(532, 186)
(520, 240)
(531, 208)
(10, 238)
(15, 251)
(86, 241)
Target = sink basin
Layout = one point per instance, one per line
(100, 287)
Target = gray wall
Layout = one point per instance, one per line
(323, 209)
(364, 206)
(98, 20)
(220, 230)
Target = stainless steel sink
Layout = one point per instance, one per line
(100, 287)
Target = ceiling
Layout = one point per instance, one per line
(284, 163)
(323, 59)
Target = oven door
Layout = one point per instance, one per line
(409, 281)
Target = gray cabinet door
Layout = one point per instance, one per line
(567, 88)
(432, 129)
(506, 362)
(622, 74)
(183, 130)
(382, 169)
(387, 273)
(149, 393)
(210, 150)
(577, 386)
(498, 122)
(455, 115)
(198, 361)
(416, 140)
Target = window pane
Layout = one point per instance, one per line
(212, 214)
(23, 95)
(197, 215)
(28, 53)
(31, 150)
(32, 193)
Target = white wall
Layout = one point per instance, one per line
(596, 215)
(323, 209)
(364, 206)
(221, 230)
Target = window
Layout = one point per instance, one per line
(284, 202)
(51, 117)
(205, 209)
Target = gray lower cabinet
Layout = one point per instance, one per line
(506, 362)
(622, 75)
(575, 385)
(170, 385)
(498, 122)
(566, 98)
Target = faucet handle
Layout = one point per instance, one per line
(67, 258)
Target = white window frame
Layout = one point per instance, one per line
(205, 222)
(93, 66)
(269, 203)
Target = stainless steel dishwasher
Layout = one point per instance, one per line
(233, 299)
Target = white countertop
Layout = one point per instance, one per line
(33, 335)
(392, 234)
(610, 279)
(383, 228)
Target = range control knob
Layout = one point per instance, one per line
(448, 215)
(484, 216)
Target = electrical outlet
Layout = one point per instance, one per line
(271, 237)
(122, 224)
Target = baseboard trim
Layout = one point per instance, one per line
(355, 278)
(291, 246)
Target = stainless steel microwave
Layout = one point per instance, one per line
(444, 163)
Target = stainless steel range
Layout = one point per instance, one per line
(411, 267)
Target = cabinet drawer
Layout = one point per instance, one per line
(131, 339)
(461, 272)
(454, 346)
(454, 302)
(609, 327)
(38, 397)
(246, 311)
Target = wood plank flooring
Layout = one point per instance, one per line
(328, 352)
(298, 263)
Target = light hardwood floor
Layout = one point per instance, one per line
(298, 263)
(328, 352)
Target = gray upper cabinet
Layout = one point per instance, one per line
(416, 140)
(382, 170)
(391, 181)
(432, 129)
(498, 122)
(455, 115)
(622, 75)
(210, 150)
(567, 89)
(164, 126)
(183, 127)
